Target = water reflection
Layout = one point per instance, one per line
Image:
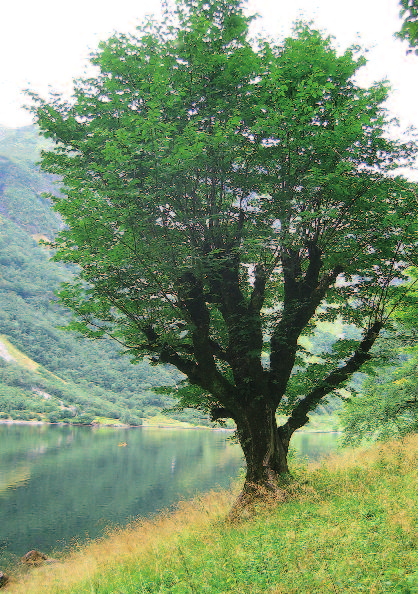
(61, 483)
(58, 483)
(314, 446)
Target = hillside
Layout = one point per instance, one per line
(45, 372)
(22, 184)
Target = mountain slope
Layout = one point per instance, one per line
(22, 184)
(83, 379)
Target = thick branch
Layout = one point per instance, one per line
(204, 372)
(242, 319)
(186, 366)
(336, 378)
(258, 293)
(215, 382)
(217, 412)
(192, 302)
(168, 354)
(315, 263)
(302, 301)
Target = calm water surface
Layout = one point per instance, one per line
(61, 484)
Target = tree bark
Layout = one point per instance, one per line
(265, 453)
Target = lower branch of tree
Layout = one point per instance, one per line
(217, 413)
(336, 378)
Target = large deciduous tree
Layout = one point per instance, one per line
(221, 197)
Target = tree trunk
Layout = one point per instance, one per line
(266, 458)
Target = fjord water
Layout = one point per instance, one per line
(59, 484)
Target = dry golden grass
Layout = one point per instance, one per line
(18, 356)
(137, 540)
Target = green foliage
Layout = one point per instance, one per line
(409, 30)
(223, 198)
(385, 405)
(386, 408)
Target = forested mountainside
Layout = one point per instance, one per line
(22, 184)
(45, 372)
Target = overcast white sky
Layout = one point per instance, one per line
(47, 42)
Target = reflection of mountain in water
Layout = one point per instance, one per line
(63, 483)
(79, 480)
(13, 477)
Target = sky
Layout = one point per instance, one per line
(46, 43)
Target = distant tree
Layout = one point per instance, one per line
(386, 408)
(386, 405)
(220, 199)
(409, 30)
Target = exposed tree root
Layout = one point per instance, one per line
(255, 498)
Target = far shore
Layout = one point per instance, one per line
(111, 426)
(145, 426)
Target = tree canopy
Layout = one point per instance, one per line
(221, 197)
(409, 30)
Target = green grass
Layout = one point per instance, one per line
(349, 525)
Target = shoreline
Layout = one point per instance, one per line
(108, 425)
(193, 427)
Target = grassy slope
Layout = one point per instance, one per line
(352, 527)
